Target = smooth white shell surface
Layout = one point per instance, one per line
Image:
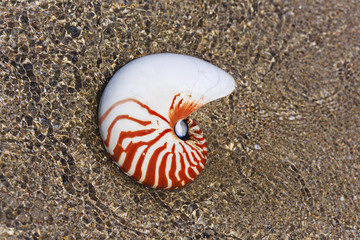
(156, 79)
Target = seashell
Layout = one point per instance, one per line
(143, 117)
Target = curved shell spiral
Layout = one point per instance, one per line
(141, 107)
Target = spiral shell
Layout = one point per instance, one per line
(143, 117)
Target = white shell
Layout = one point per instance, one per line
(140, 107)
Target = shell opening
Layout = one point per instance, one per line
(182, 130)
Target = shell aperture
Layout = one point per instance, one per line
(143, 117)
(181, 130)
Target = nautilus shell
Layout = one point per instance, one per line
(143, 117)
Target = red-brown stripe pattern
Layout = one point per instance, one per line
(151, 153)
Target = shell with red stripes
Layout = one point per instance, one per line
(143, 117)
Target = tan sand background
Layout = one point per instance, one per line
(284, 146)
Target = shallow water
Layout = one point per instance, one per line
(284, 146)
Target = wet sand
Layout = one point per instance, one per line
(284, 151)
